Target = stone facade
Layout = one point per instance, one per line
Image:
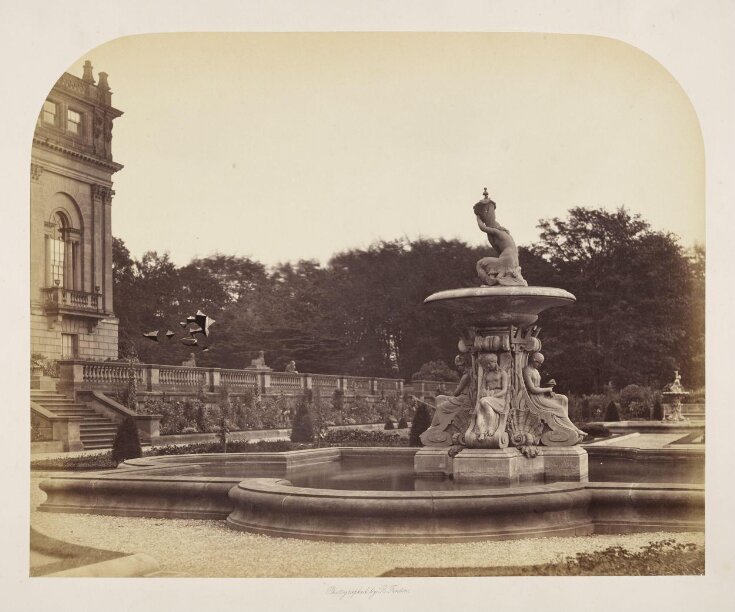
(71, 219)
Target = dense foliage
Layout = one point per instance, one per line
(639, 312)
(659, 558)
(360, 437)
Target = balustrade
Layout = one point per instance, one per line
(61, 297)
(325, 382)
(181, 377)
(92, 375)
(238, 378)
(107, 373)
(286, 380)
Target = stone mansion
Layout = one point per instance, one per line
(71, 208)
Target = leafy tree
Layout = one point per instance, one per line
(633, 288)
(435, 370)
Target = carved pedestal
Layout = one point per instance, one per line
(672, 405)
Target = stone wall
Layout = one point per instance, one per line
(98, 342)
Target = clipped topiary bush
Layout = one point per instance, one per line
(389, 424)
(402, 423)
(127, 442)
(303, 428)
(612, 412)
(421, 422)
(658, 411)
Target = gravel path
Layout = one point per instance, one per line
(210, 548)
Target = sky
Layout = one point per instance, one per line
(296, 146)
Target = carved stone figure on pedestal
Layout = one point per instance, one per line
(552, 408)
(491, 402)
(505, 268)
(672, 396)
(259, 363)
(452, 411)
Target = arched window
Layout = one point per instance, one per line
(63, 230)
(56, 251)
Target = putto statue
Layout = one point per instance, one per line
(504, 269)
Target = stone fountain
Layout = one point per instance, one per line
(672, 397)
(501, 425)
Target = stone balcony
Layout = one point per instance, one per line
(60, 300)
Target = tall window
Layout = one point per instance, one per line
(73, 122)
(57, 251)
(69, 346)
(49, 112)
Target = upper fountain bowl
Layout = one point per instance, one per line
(499, 306)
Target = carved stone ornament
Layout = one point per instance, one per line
(505, 404)
(102, 193)
(36, 172)
(503, 267)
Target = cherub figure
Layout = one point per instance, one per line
(505, 268)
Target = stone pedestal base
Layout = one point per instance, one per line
(505, 466)
(433, 463)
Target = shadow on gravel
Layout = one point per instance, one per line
(49, 555)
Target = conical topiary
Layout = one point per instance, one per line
(402, 423)
(421, 422)
(302, 429)
(126, 444)
(388, 424)
(612, 413)
(658, 411)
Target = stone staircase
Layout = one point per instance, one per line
(95, 431)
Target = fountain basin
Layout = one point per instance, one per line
(313, 494)
(499, 306)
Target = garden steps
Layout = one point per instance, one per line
(95, 431)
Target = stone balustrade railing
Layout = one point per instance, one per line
(77, 375)
(61, 297)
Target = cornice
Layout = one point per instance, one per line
(90, 159)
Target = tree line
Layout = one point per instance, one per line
(639, 312)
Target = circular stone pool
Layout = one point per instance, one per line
(372, 494)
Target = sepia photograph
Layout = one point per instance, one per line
(392, 306)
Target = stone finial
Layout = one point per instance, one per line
(88, 77)
(485, 194)
(103, 81)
